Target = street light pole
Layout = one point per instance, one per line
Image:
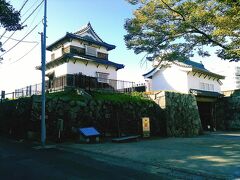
(43, 40)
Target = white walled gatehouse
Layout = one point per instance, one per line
(189, 77)
(182, 77)
(82, 52)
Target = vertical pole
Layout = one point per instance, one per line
(30, 90)
(43, 38)
(43, 127)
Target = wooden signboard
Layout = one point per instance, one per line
(146, 126)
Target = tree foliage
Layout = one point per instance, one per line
(9, 18)
(175, 29)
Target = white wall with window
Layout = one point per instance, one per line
(206, 86)
(181, 79)
(84, 45)
(91, 69)
(203, 82)
(91, 51)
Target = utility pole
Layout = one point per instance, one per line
(43, 41)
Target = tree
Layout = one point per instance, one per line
(9, 18)
(175, 29)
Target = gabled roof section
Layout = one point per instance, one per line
(86, 34)
(87, 31)
(194, 66)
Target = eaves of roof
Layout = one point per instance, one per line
(202, 93)
(74, 36)
(150, 73)
(209, 73)
(84, 58)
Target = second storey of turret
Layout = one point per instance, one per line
(83, 42)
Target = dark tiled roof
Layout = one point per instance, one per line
(199, 67)
(87, 28)
(69, 36)
(68, 56)
(149, 72)
(198, 92)
(194, 64)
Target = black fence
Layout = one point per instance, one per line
(92, 83)
(77, 81)
(23, 92)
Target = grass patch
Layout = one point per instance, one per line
(117, 97)
(70, 94)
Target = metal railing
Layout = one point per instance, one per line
(92, 83)
(24, 92)
(77, 81)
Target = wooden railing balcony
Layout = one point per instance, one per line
(79, 51)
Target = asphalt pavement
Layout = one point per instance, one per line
(22, 160)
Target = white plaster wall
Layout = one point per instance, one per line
(76, 43)
(148, 84)
(194, 82)
(59, 70)
(170, 79)
(67, 44)
(103, 50)
(58, 52)
(90, 69)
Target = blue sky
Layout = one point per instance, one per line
(107, 18)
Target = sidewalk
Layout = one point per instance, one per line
(212, 156)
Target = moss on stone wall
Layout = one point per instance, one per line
(228, 113)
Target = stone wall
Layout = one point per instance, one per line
(181, 111)
(112, 114)
(14, 117)
(172, 114)
(228, 113)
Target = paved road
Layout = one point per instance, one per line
(22, 161)
(211, 156)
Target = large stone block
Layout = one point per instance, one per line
(182, 116)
